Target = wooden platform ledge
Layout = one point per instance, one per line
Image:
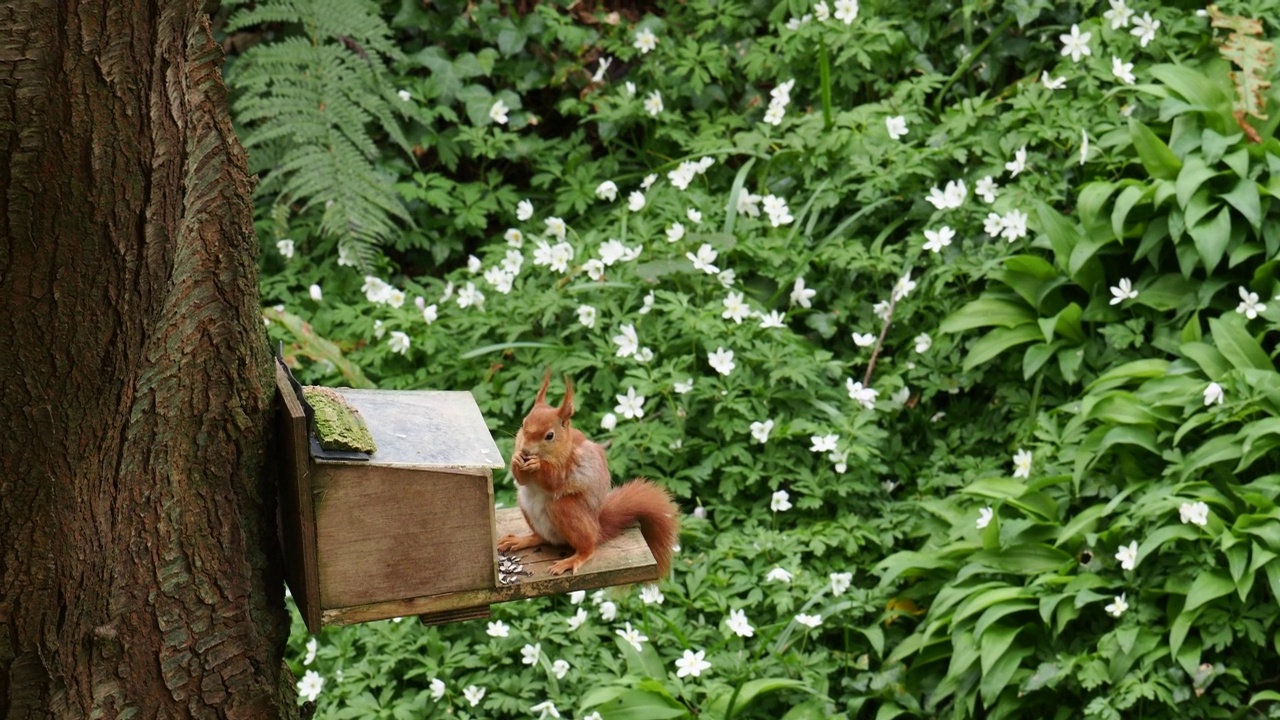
(622, 561)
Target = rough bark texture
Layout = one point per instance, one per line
(139, 575)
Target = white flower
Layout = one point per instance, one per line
(840, 583)
(404, 95)
(607, 190)
(1123, 291)
(777, 210)
(556, 227)
(577, 596)
(1249, 305)
(611, 251)
(398, 342)
(609, 421)
(684, 174)
(694, 215)
(760, 431)
(593, 716)
(896, 125)
(722, 361)
(377, 291)
(632, 636)
(675, 232)
(774, 319)
(437, 689)
(644, 354)
(310, 685)
(822, 11)
(937, 198)
(498, 629)
(823, 443)
(627, 341)
(735, 308)
(313, 644)
(529, 654)
(430, 313)
(780, 502)
(1144, 28)
(702, 261)
(630, 406)
(1022, 463)
(524, 210)
(774, 113)
(653, 103)
(609, 611)
(378, 329)
(900, 396)
(923, 343)
(692, 663)
(1128, 555)
(811, 621)
(395, 297)
(1014, 225)
(847, 10)
(864, 396)
(1019, 161)
(346, 256)
(864, 339)
(587, 315)
(1119, 14)
(795, 22)
(285, 247)
(1052, 83)
(684, 387)
(594, 268)
(800, 295)
(469, 296)
(749, 204)
(512, 262)
(648, 181)
(1213, 394)
(514, 238)
(629, 88)
(987, 188)
(316, 293)
(498, 113)
(1118, 607)
(739, 625)
(1084, 146)
(1196, 513)
(1076, 44)
(560, 668)
(499, 279)
(473, 694)
(993, 225)
(1122, 70)
(651, 595)
(984, 517)
(647, 304)
(778, 575)
(601, 69)
(903, 287)
(546, 708)
(938, 239)
(955, 193)
(575, 621)
(645, 41)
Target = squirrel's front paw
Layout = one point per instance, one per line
(530, 463)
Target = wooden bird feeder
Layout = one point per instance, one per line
(411, 529)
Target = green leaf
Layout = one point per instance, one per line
(1027, 559)
(502, 347)
(1221, 448)
(731, 210)
(1192, 177)
(1211, 361)
(1093, 196)
(999, 340)
(994, 643)
(1237, 345)
(1211, 238)
(1083, 522)
(1133, 370)
(1063, 234)
(1125, 201)
(986, 312)
(1156, 539)
(1156, 156)
(995, 681)
(1208, 586)
(1245, 198)
(753, 689)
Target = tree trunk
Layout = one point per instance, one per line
(139, 570)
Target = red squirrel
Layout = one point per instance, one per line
(564, 491)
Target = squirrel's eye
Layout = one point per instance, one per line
(550, 436)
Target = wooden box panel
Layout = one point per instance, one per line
(386, 533)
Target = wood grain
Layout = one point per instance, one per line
(296, 514)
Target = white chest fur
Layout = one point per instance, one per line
(536, 503)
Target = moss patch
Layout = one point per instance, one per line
(338, 425)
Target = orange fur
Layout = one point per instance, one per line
(564, 490)
(641, 500)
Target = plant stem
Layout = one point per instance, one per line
(824, 73)
(969, 60)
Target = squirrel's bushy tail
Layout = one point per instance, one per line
(651, 505)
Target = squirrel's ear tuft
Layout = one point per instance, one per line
(566, 408)
(542, 394)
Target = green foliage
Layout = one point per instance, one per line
(1044, 309)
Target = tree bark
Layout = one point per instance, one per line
(139, 569)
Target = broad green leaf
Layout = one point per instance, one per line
(986, 312)
(1181, 626)
(1093, 196)
(502, 347)
(999, 340)
(1237, 345)
(1140, 435)
(1221, 448)
(1036, 356)
(1065, 324)
(1265, 695)
(1157, 538)
(1083, 522)
(994, 643)
(1207, 357)
(994, 682)
(1211, 238)
(1156, 156)
(1122, 408)
(1245, 198)
(986, 599)
(1026, 559)
(1063, 234)
(1192, 84)
(995, 488)
(1125, 201)
(1192, 177)
(1168, 292)
(1132, 370)
(1208, 586)
(1000, 610)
